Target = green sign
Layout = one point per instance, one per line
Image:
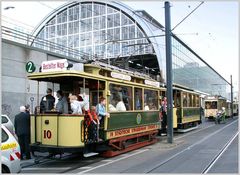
(30, 67)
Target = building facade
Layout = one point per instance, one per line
(104, 30)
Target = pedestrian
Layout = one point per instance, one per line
(62, 105)
(47, 102)
(101, 111)
(164, 115)
(22, 128)
(27, 109)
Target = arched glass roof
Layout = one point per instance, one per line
(97, 29)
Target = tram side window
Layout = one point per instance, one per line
(137, 99)
(184, 99)
(197, 101)
(150, 100)
(121, 98)
(194, 100)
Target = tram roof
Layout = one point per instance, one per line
(63, 76)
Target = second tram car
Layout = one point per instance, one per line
(186, 107)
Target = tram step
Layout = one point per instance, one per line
(186, 130)
(90, 154)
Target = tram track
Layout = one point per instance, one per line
(215, 159)
(84, 166)
(191, 146)
(48, 160)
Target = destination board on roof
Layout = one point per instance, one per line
(152, 83)
(54, 65)
(120, 76)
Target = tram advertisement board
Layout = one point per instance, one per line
(130, 131)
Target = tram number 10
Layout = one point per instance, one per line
(47, 134)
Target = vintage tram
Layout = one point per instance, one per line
(133, 128)
(213, 104)
(123, 131)
(235, 108)
(186, 110)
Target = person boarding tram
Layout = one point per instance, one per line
(101, 110)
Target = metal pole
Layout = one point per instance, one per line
(169, 72)
(231, 97)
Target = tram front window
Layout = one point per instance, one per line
(211, 105)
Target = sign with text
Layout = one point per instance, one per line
(30, 67)
(120, 76)
(54, 65)
(130, 131)
(152, 83)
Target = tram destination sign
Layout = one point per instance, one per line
(54, 65)
(120, 76)
(152, 83)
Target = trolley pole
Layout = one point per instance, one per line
(231, 97)
(169, 72)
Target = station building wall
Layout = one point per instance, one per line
(16, 88)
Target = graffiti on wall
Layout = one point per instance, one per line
(6, 109)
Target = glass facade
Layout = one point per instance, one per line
(101, 31)
(96, 30)
(190, 71)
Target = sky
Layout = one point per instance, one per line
(211, 31)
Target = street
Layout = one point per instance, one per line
(191, 152)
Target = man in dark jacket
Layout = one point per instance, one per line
(22, 128)
(47, 102)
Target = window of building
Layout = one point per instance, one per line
(76, 13)
(150, 100)
(138, 99)
(70, 14)
(70, 28)
(110, 21)
(70, 41)
(62, 17)
(121, 98)
(76, 27)
(86, 10)
(111, 10)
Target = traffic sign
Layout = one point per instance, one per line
(30, 67)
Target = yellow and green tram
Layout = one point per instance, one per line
(123, 131)
(235, 108)
(186, 110)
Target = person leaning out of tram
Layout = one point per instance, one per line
(101, 111)
(78, 107)
(62, 104)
